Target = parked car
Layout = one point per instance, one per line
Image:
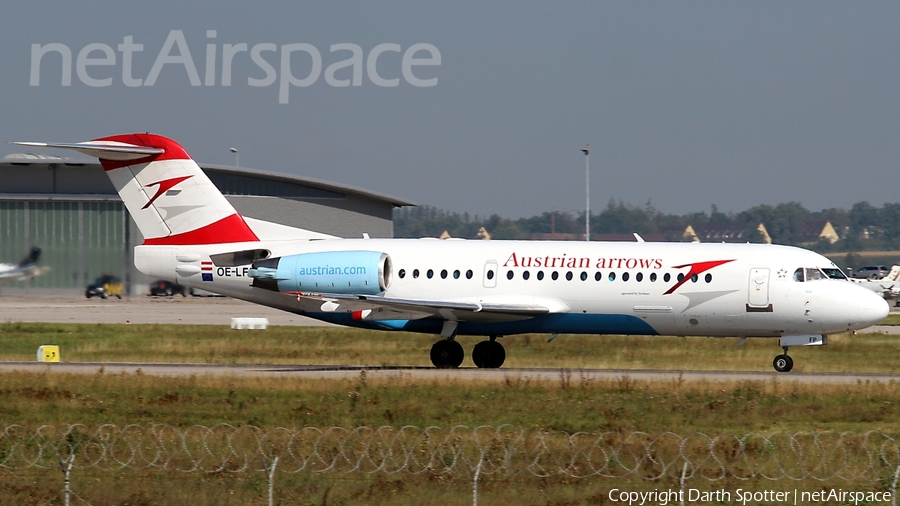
(105, 286)
(871, 272)
(167, 288)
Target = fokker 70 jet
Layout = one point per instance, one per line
(484, 288)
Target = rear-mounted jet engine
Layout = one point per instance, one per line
(339, 272)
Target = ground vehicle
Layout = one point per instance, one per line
(167, 288)
(871, 272)
(104, 286)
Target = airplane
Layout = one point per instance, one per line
(26, 269)
(194, 237)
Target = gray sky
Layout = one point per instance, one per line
(684, 104)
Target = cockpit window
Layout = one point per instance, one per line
(813, 274)
(834, 273)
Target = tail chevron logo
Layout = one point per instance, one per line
(162, 187)
(696, 269)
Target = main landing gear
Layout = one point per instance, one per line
(783, 363)
(449, 354)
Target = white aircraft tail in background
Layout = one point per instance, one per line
(26, 269)
(888, 286)
(486, 288)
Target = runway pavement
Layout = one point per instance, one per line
(428, 373)
(22, 306)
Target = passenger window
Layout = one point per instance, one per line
(415, 273)
(625, 276)
(598, 276)
(526, 275)
(430, 273)
(555, 275)
(639, 277)
(680, 277)
(509, 274)
(798, 274)
(469, 274)
(456, 274)
(584, 276)
(667, 277)
(490, 274)
(444, 274)
(402, 273)
(569, 276)
(540, 275)
(652, 277)
(612, 276)
(708, 278)
(694, 278)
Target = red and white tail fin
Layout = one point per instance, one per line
(170, 198)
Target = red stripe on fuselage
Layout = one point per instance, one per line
(226, 230)
(173, 150)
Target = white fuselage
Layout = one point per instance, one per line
(743, 290)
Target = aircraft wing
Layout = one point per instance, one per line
(375, 307)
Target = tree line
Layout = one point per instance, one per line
(863, 227)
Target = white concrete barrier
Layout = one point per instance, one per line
(249, 323)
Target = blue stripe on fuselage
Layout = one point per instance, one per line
(545, 324)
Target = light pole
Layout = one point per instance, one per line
(587, 192)
(237, 157)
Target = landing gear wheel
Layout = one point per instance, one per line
(446, 354)
(783, 363)
(488, 355)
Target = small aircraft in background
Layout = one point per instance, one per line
(26, 269)
(888, 286)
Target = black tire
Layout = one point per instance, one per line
(783, 363)
(447, 354)
(488, 355)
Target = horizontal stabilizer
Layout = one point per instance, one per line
(105, 150)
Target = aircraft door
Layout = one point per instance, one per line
(758, 295)
(490, 274)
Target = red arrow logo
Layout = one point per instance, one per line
(696, 268)
(164, 186)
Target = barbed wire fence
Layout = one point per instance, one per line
(470, 453)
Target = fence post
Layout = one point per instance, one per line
(475, 480)
(270, 476)
(894, 484)
(683, 473)
(66, 466)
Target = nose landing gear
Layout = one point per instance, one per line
(783, 363)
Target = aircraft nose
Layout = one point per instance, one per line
(872, 308)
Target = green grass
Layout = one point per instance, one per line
(892, 319)
(864, 353)
(568, 403)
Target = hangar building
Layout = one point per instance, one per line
(70, 209)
